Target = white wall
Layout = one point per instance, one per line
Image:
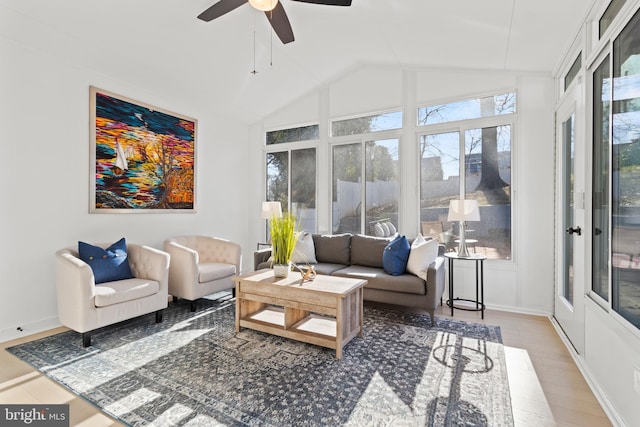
(525, 284)
(44, 177)
(612, 361)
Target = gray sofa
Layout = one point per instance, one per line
(360, 256)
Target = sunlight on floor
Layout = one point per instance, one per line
(528, 402)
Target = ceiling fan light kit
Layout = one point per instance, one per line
(263, 5)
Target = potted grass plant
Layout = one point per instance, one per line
(283, 241)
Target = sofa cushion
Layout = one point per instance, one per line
(305, 251)
(210, 271)
(118, 291)
(107, 264)
(327, 268)
(367, 250)
(423, 253)
(378, 279)
(395, 256)
(333, 249)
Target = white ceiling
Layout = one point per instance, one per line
(161, 41)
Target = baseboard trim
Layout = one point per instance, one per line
(21, 331)
(586, 374)
(518, 310)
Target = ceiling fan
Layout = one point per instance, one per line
(272, 8)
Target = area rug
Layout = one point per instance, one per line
(194, 370)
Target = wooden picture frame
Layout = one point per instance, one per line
(143, 158)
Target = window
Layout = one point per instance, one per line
(473, 162)
(304, 133)
(600, 181)
(573, 71)
(625, 173)
(300, 165)
(366, 190)
(367, 124)
(468, 109)
(609, 15)
(291, 175)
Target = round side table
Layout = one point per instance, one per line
(479, 301)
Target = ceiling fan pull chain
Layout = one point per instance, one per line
(254, 72)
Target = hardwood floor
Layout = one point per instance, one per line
(547, 389)
(546, 386)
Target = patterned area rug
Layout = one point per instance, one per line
(193, 370)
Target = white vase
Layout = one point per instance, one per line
(281, 270)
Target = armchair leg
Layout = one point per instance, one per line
(159, 316)
(175, 299)
(193, 306)
(86, 339)
(233, 292)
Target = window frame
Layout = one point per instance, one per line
(363, 115)
(362, 140)
(461, 127)
(288, 147)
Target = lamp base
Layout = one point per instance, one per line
(463, 252)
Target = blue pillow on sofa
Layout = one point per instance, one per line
(396, 255)
(108, 264)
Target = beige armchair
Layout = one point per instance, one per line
(84, 306)
(201, 265)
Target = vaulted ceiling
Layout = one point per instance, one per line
(162, 44)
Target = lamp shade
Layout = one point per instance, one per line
(264, 5)
(271, 209)
(463, 210)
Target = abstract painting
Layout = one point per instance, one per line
(143, 157)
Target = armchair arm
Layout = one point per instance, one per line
(75, 289)
(184, 265)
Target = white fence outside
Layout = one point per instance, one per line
(348, 201)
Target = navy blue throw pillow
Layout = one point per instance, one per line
(396, 255)
(108, 264)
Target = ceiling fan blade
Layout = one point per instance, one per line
(280, 23)
(328, 2)
(220, 8)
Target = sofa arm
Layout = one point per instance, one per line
(435, 281)
(260, 256)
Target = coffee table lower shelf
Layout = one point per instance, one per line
(312, 329)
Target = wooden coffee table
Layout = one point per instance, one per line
(326, 311)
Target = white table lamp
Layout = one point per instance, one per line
(463, 211)
(271, 210)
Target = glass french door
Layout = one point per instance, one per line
(570, 217)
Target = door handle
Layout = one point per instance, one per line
(576, 230)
